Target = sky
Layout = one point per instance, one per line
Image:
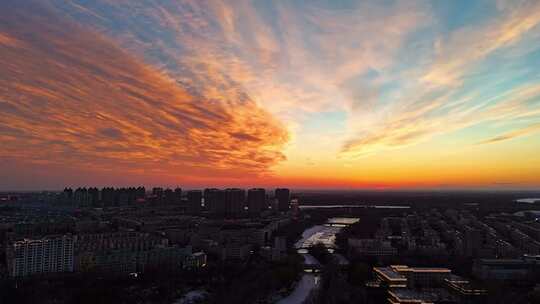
(305, 94)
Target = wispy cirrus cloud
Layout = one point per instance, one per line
(513, 134)
(445, 113)
(466, 47)
(71, 97)
(441, 100)
(287, 57)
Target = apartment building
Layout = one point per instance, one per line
(51, 254)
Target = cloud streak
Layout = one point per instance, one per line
(514, 134)
(71, 97)
(441, 102)
(289, 59)
(468, 45)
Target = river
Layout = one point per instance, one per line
(351, 206)
(325, 234)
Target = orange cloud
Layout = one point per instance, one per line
(71, 97)
(8, 41)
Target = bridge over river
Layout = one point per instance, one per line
(326, 235)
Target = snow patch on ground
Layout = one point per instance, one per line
(192, 297)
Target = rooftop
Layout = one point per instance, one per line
(404, 268)
(502, 261)
(389, 274)
(420, 297)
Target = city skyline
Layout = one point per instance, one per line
(398, 95)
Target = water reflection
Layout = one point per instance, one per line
(325, 234)
(354, 206)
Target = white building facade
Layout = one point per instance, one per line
(52, 254)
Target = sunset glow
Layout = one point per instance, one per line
(307, 94)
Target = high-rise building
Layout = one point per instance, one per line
(256, 200)
(295, 207)
(50, 254)
(93, 194)
(207, 196)
(141, 193)
(122, 197)
(178, 195)
(283, 196)
(67, 196)
(131, 195)
(194, 200)
(157, 194)
(108, 196)
(81, 197)
(168, 196)
(214, 200)
(235, 201)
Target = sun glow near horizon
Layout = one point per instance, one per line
(322, 94)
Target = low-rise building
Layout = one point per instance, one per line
(423, 285)
(372, 247)
(463, 288)
(125, 261)
(195, 260)
(413, 277)
(503, 269)
(235, 251)
(411, 296)
(389, 277)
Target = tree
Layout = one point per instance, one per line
(359, 273)
(534, 296)
(320, 252)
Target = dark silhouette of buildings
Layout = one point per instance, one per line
(168, 196)
(107, 197)
(93, 194)
(283, 195)
(157, 195)
(178, 196)
(194, 200)
(232, 202)
(256, 200)
(80, 197)
(235, 201)
(67, 195)
(214, 200)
